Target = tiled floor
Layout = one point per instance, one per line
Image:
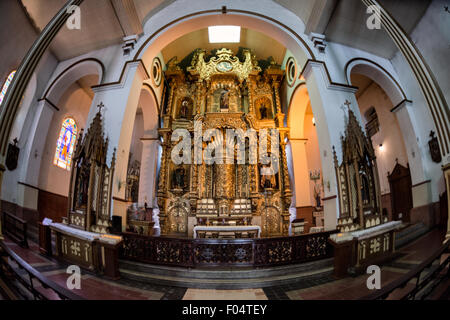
(326, 287)
(205, 294)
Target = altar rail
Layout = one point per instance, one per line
(28, 278)
(423, 286)
(15, 228)
(232, 252)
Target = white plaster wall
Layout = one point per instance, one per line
(74, 103)
(432, 39)
(389, 135)
(431, 36)
(13, 48)
(136, 143)
(312, 153)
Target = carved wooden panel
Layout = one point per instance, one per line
(233, 252)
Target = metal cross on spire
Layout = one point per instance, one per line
(347, 103)
(100, 106)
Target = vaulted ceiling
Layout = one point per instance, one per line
(262, 46)
(106, 22)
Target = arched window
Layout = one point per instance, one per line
(6, 85)
(66, 144)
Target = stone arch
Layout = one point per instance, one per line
(424, 176)
(202, 19)
(58, 101)
(127, 88)
(71, 74)
(378, 74)
(401, 108)
(302, 146)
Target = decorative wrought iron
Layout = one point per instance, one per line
(230, 252)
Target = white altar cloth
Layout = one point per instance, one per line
(366, 233)
(226, 228)
(84, 235)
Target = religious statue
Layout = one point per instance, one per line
(263, 106)
(184, 109)
(224, 99)
(82, 185)
(263, 111)
(178, 178)
(268, 180)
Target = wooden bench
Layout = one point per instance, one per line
(15, 228)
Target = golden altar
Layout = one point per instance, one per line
(221, 92)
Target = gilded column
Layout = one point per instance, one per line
(163, 183)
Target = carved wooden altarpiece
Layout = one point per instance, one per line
(91, 181)
(357, 178)
(223, 91)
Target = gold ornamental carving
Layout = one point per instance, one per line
(224, 62)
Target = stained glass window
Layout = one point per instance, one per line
(6, 85)
(65, 144)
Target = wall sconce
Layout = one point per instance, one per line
(381, 147)
(314, 121)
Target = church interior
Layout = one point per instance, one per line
(224, 150)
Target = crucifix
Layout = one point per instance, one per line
(347, 103)
(100, 106)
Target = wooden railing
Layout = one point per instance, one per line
(423, 285)
(15, 228)
(233, 252)
(18, 274)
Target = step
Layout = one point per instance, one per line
(225, 278)
(409, 234)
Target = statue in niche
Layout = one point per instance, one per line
(178, 177)
(263, 111)
(82, 186)
(263, 106)
(268, 180)
(364, 188)
(184, 108)
(224, 99)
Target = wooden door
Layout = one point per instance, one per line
(401, 192)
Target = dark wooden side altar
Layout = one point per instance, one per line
(83, 238)
(366, 236)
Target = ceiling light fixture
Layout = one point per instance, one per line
(224, 34)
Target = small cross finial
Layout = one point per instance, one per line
(100, 106)
(15, 141)
(347, 103)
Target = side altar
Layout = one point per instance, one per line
(213, 94)
(84, 236)
(366, 235)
